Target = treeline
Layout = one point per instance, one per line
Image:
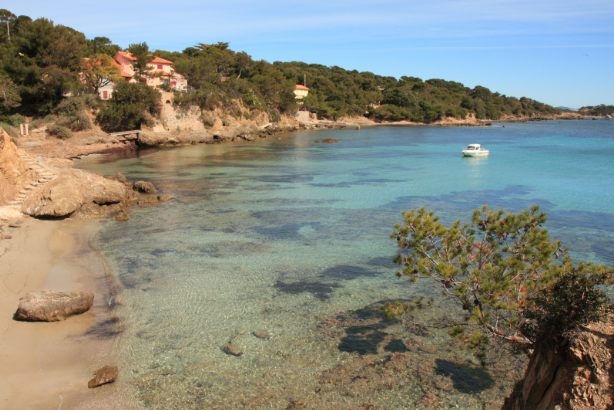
(598, 110)
(42, 63)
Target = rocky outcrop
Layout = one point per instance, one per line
(51, 306)
(105, 375)
(144, 187)
(74, 191)
(15, 174)
(578, 376)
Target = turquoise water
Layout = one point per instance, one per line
(291, 237)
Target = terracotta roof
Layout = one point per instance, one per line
(158, 60)
(125, 74)
(125, 54)
(300, 87)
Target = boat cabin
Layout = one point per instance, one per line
(473, 147)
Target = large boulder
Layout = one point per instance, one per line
(156, 139)
(50, 306)
(70, 191)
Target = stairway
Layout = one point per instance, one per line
(43, 175)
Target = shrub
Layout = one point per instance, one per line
(17, 119)
(132, 104)
(515, 286)
(78, 122)
(59, 131)
(11, 131)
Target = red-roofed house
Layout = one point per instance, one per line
(301, 91)
(161, 71)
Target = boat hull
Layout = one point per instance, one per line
(475, 153)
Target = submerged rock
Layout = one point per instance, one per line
(105, 375)
(232, 349)
(50, 306)
(163, 198)
(262, 334)
(122, 216)
(145, 187)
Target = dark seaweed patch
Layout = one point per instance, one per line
(284, 178)
(395, 346)
(382, 261)
(221, 211)
(362, 339)
(348, 272)
(466, 378)
(286, 231)
(104, 330)
(319, 290)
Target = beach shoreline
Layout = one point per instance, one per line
(48, 365)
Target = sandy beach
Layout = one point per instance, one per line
(48, 365)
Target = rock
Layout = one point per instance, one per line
(148, 200)
(120, 178)
(105, 375)
(164, 198)
(156, 139)
(71, 190)
(145, 187)
(59, 162)
(122, 216)
(5, 236)
(14, 172)
(262, 334)
(50, 306)
(232, 349)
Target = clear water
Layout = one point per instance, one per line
(291, 237)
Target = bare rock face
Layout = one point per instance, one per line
(145, 187)
(14, 172)
(105, 375)
(59, 163)
(51, 306)
(156, 139)
(70, 191)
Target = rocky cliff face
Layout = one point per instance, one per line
(579, 376)
(14, 172)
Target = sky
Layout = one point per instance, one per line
(560, 52)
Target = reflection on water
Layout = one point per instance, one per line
(291, 237)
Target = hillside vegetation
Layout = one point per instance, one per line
(42, 63)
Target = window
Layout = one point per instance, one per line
(159, 66)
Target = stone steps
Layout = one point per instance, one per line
(44, 175)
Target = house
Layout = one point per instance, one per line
(161, 72)
(301, 91)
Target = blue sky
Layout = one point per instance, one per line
(560, 52)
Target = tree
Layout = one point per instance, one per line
(6, 18)
(132, 104)
(99, 70)
(102, 45)
(141, 65)
(515, 286)
(9, 93)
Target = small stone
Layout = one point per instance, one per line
(233, 350)
(262, 334)
(164, 198)
(105, 375)
(122, 216)
(145, 187)
(15, 225)
(6, 237)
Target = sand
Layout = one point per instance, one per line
(48, 365)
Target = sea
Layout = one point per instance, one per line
(281, 248)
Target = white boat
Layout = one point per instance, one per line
(475, 150)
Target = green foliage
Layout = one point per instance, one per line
(598, 110)
(502, 272)
(132, 104)
(44, 61)
(59, 131)
(77, 122)
(17, 119)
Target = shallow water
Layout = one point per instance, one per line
(291, 237)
